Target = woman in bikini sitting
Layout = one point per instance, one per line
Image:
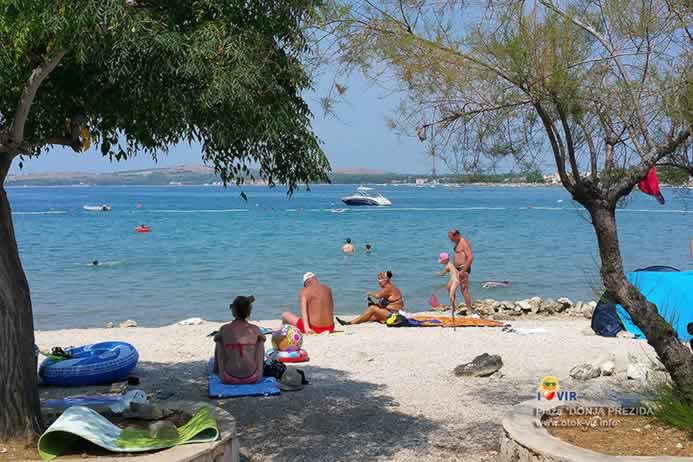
(389, 300)
(240, 347)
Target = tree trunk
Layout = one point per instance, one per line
(20, 412)
(675, 356)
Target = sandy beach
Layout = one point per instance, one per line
(375, 393)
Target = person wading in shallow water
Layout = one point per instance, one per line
(462, 258)
(348, 247)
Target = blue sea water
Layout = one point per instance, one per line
(207, 245)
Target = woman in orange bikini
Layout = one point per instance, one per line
(240, 347)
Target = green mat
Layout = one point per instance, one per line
(81, 422)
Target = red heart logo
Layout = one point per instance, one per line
(550, 395)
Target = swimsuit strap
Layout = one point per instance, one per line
(239, 346)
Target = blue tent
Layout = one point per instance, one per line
(672, 292)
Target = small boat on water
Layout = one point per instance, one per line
(97, 208)
(363, 196)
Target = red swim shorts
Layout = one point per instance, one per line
(316, 329)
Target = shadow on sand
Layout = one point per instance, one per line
(335, 418)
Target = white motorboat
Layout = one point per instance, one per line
(97, 208)
(363, 196)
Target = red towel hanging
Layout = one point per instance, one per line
(650, 185)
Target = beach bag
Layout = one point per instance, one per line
(434, 301)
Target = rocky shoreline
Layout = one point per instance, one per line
(534, 307)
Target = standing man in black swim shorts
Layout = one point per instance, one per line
(462, 258)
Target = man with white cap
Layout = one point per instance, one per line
(317, 307)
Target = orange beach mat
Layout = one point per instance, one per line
(461, 321)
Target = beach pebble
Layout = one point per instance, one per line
(129, 323)
(607, 368)
(191, 322)
(584, 372)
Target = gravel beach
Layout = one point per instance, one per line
(375, 393)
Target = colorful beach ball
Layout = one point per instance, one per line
(288, 338)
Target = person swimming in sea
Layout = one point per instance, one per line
(95, 263)
(348, 247)
(380, 304)
(368, 248)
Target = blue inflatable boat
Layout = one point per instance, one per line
(96, 364)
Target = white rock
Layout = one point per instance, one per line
(128, 323)
(607, 368)
(535, 300)
(524, 305)
(565, 302)
(191, 322)
(550, 306)
(584, 372)
(587, 311)
(636, 371)
(679, 446)
(109, 325)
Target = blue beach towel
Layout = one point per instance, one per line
(218, 389)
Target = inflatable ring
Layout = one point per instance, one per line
(299, 356)
(143, 229)
(96, 364)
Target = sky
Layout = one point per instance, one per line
(358, 137)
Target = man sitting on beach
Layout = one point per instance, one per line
(317, 308)
(462, 258)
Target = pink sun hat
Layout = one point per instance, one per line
(443, 256)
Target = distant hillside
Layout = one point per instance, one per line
(182, 174)
(203, 175)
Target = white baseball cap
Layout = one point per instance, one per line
(307, 276)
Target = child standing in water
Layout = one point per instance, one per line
(240, 347)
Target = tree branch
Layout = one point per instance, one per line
(594, 168)
(555, 147)
(458, 114)
(569, 142)
(605, 43)
(16, 132)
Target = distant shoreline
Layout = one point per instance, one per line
(411, 185)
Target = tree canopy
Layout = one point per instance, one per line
(605, 86)
(136, 76)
